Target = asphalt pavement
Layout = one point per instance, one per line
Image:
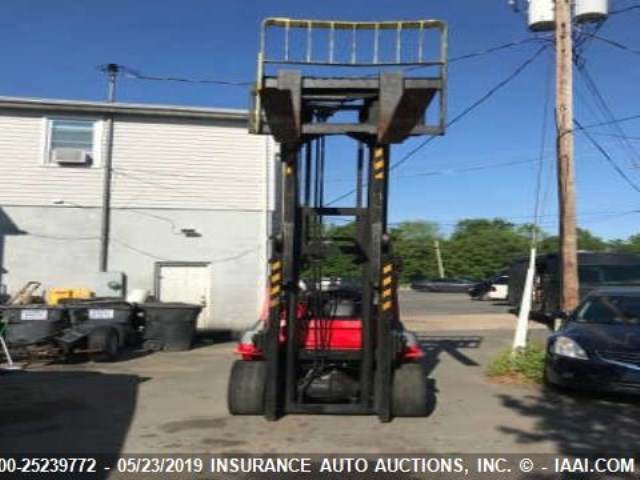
(176, 403)
(414, 303)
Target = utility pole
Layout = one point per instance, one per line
(112, 72)
(564, 148)
(436, 244)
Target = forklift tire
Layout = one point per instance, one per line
(245, 393)
(410, 392)
(104, 344)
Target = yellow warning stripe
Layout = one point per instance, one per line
(378, 164)
(275, 266)
(386, 293)
(387, 305)
(387, 269)
(386, 281)
(275, 278)
(379, 176)
(378, 153)
(275, 290)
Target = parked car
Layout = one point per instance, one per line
(445, 284)
(495, 288)
(598, 345)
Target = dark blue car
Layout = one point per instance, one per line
(598, 346)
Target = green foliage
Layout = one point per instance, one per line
(526, 366)
(415, 231)
(414, 247)
(477, 248)
(586, 241)
(631, 245)
(337, 263)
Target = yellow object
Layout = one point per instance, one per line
(54, 295)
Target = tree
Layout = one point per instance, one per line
(413, 244)
(586, 241)
(630, 245)
(479, 248)
(336, 263)
(415, 230)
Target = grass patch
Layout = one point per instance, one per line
(524, 367)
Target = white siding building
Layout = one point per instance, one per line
(191, 201)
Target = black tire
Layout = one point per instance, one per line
(245, 393)
(104, 345)
(410, 392)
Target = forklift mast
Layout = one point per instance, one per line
(388, 83)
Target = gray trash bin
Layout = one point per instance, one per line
(32, 324)
(169, 326)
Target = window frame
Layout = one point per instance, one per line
(96, 140)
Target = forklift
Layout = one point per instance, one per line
(322, 348)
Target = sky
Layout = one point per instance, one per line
(485, 166)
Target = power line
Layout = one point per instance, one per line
(614, 121)
(613, 43)
(543, 140)
(460, 116)
(613, 164)
(606, 112)
(627, 137)
(623, 10)
(450, 171)
(130, 72)
(474, 105)
(138, 75)
(497, 48)
(469, 169)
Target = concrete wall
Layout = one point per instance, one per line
(59, 246)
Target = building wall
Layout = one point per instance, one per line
(169, 174)
(164, 163)
(59, 246)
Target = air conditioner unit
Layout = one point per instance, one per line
(70, 156)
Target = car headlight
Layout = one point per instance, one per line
(567, 347)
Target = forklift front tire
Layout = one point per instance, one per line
(245, 393)
(410, 392)
(104, 344)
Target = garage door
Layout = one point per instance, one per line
(186, 282)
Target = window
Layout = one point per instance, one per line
(610, 310)
(72, 142)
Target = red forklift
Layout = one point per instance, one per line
(338, 349)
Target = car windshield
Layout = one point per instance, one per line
(609, 310)
(610, 274)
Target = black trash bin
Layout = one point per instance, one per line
(28, 325)
(116, 314)
(169, 326)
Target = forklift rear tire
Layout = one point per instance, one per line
(104, 344)
(245, 394)
(410, 393)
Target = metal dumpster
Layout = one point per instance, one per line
(28, 325)
(169, 326)
(100, 327)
